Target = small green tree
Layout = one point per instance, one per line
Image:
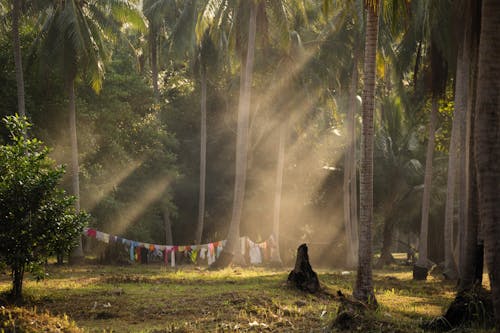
(36, 218)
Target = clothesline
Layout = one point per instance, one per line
(211, 251)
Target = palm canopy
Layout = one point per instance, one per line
(74, 34)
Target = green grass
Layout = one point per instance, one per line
(153, 298)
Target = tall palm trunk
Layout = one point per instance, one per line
(450, 263)
(233, 248)
(420, 271)
(77, 253)
(471, 263)
(363, 288)
(154, 60)
(487, 142)
(203, 157)
(16, 13)
(350, 179)
(275, 253)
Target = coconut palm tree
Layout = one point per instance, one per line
(487, 142)
(363, 288)
(422, 265)
(243, 17)
(73, 38)
(205, 63)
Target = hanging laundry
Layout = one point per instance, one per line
(203, 253)
(91, 233)
(219, 250)
(255, 255)
(132, 252)
(138, 253)
(172, 258)
(103, 237)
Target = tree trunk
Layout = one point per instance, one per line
(16, 13)
(487, 142)
(275, 251)
(17, 282)
(363, 288)
(471, 260)
(422, 262)
(203, 157)
(232, 251)
(461, 79)
(154, 61)
(168, 227)
(386, 257)
(350, 179)
(77, 253)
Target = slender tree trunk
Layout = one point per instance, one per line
(16, 13)
(77, 253)
(275, 253)
(461, 78)
(422, 262)
(203, 157)
(233, 248)
(154, 61)
(350, 179)
(386, 257)
(168, 227)
(17, 282)
(487, 142)
(363, 288)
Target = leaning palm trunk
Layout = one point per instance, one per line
(350, 179)
(203, 157)
(77, 253)
(487, 142)
(275, 253)
(16, 12)
(363, 288)
(422, 264)
(232, 251)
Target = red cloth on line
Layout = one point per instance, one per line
(91, 233)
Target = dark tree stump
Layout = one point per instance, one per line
(420, 273)
(302, 276)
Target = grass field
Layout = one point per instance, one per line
(153, 298)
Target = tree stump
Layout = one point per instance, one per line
(419, 273)
(302, 276)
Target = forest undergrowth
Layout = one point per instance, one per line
(155, 298)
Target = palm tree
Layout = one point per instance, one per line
(363, 288)
(74, 36)
(233, 246)
(422, 265)
(350, 172)
(206, 59)
(487, 142)
(239, 12)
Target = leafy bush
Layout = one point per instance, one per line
(36, 218)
